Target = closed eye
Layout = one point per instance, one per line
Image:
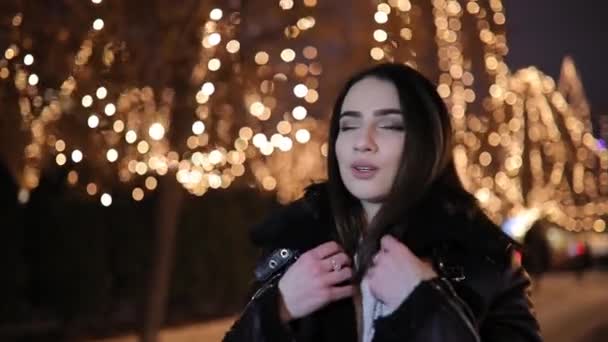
(395, 127)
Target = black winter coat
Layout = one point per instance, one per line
(480, 295)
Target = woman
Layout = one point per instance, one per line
(391, 247)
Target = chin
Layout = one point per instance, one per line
(368, 193)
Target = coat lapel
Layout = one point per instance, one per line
(338, 322)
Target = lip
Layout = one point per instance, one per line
(360, 174)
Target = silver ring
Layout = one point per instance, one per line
(335, 266)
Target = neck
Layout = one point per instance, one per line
(371, 209)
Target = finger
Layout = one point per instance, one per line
(340, 260)
(376, 258)
(341, 292)
(324, 250)
(333, 278)
(388, 242)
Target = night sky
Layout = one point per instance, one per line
(542, 32)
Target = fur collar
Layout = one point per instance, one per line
(440, 222)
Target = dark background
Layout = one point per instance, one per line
(542, 32)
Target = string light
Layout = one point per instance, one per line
(489, 145)
(98, 24)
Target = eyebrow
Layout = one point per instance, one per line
(379, 112)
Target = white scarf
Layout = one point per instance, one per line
(371, 308)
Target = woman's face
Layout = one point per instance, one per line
(370, 139)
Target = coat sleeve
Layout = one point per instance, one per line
(259, 320)
(434, 312)
(511, 317)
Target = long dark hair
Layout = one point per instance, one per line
(426, 163)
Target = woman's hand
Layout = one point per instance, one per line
(396, 272)
(311, 282)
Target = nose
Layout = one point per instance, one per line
(365, 141)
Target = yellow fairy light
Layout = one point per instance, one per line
(306, 23)
(138, 194)
(310, 52)
(215, 181)
(444, 90)
(267, 148)
(381, 17)
(91, 189)
(245, 133)
(299, 113)
(141, 168)
(284, 127)
(28, 59)
(384, 8)
(101, 93)
(380, 35)
(98, 24)
(17, 19)
(473, 7)
(237, 170)
(33, 79)
(377, 53)
(118, 126)
(131, 136)
(485, 158)
(156, 131)
(106, 200)
(208, 88)
(96, 1)
(261, 58)
(599, 225)
(288, 55)
(201, 98)
(275, 139)
(214, 64)
(256, 108)
(406, 33)
(151, 183)
(93, 121)
(10, 53)
(4, 73)
(285, 144)
(112, 155)
(76, 156)
(499, 18)
(310, 3)
(216, 14)
(72, 177)
(269, 183)
(302, 136)
(143, 147)
(286, 4)
(215, 157)
(60, 159)
(259, 140)
(60, 145)
(233, 46)
(214, 39)
(404, 5)
(311, 96)
(110, 109)
(300, 90)
(87, 101)
(198, 127)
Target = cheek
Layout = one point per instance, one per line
(393, 155)
(340, 149)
